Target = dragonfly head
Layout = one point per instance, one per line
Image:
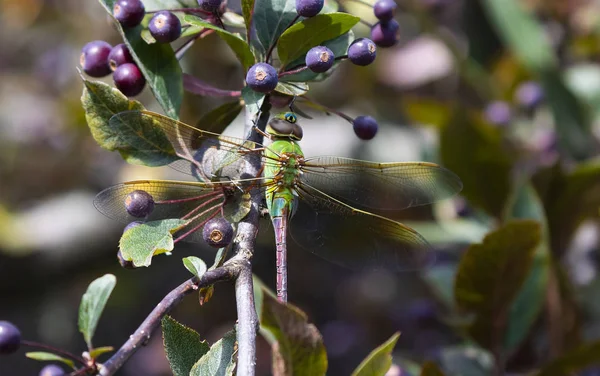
(284, 125)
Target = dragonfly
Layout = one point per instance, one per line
(335, 207)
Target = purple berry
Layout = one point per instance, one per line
(209, 5)
(139, 203)
(365, 127)
(165, 27)
(529, 94)
(52, 370)
(319, 59)
(498, 113)
(362, 51)
(10, 338)
(94, 58)
(384, 9)
(218, 232)
(129, 79)
(309, 8)
(385, 34)
(125, 264)
(262, 77)
(129, 13)
(119, 55)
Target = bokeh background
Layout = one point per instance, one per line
(521, 111)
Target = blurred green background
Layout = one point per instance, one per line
(505, 94)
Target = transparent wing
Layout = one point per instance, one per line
(353, 238)
(390, 186)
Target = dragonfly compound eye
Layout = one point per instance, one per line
(290, 117)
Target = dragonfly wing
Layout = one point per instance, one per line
(353, 238)
(393, 186)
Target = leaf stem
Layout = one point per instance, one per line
(53, 349)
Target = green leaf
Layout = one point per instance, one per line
(49, 357)
(195, 265)
(490, 275)
(183, 346)
(521, 33)
(485, 169)
(292, 88)
(252, 100)
(379, 361)
(271, 18)
(298, 346)
(152, 5)
(158, 64)
(152, 238)
(441, 280)
(218, 119)
(248, 12)
(466, 360)
(573, 361)
(311, 32)
(235, 42)
(431, 369)
(93, 303)
(219, 360)
(95, 353)
(139, 143)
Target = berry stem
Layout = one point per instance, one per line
(53, 349)
(181, 200)
(185, 10)
(293, 71)
(196, 209)
(190, 42)
(327, 109)
(195, 228)
(272, 46)
(370, 25)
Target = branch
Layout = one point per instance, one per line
(196, 86)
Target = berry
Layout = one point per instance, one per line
(129, 79)
(365, 127)
(262, 77)
(319, 59)
(529, 94)
(139, 203)
(119, 55)
(52, 370)
(129, 13)
(126, 264)
(131, 225)
(362, 51)
(309, 8)
(165, 27)
(384, 9)
(10, 338)
(209, 5)
(385, 34)
(498, 113)
(94, 58)
(217, 232)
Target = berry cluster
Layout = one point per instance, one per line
(385, 32)
(527, 96)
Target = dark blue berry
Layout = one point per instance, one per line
(119, 55)
(319, 59)
(262, 77)
(52, 370)
(10, 338)
(385, 34)
(94, 58)
(365, 127)
(218, 232)
(362, 51)
(126, 264)
(139, 203)
(165, 27)
(529, 94)
(309, 8)
(498, 113)
(131, 225)
(129, 79)
(129, 13)
(384, 9)
(209, 5)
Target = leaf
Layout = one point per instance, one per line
(466, 360)
(158, 64)
(235, 42)
(49, 357)
(140, 143)
(311, 32)
(573, 361)
(490, 275)
(219, 360)
(183, 346)
(252, 100)
(485, 169)
(152, 238)
(431, 369)
(298, 346)
(271, 18)
(379, 361)
(426, 111)
(195, 266)
(441, 280)
(248, 12)
(219, 118)
(93, 303)
(95, 353)
(292, 88)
